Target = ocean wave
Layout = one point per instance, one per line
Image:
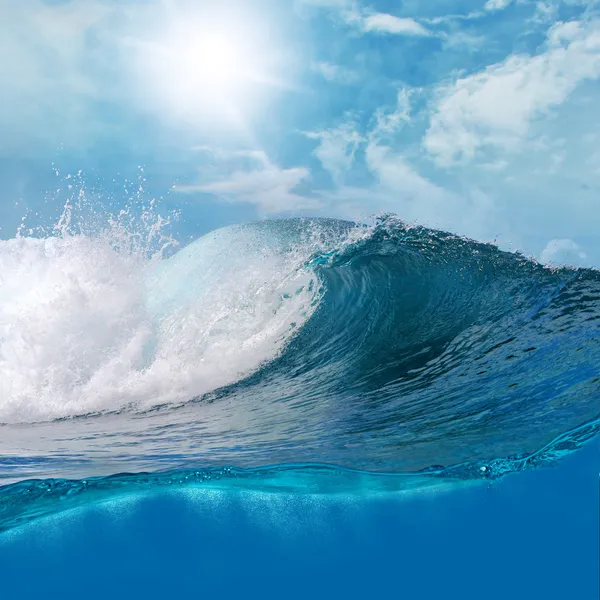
(388, 348)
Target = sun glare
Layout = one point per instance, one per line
(203, 73)
(219, 62)
(209, 66)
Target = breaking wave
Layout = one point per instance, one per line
(388, 349)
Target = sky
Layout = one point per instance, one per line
(479, 117)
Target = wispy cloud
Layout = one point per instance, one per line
(496, 107)
(337, 147)
(545, 12)
(390, 123)
(395, 184)
(418, 199)
(270, 188)
(398, 187)
(369, 21)
(390, 24)
(497, 4)
(335, 73)
(46, 72)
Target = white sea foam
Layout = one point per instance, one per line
(89, 323)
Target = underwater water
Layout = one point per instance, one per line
(527, 535)
(308, 398)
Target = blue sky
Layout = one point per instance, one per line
(477, 117)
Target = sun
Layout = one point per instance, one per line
(212, 66)
(206, 72)
(219, 62)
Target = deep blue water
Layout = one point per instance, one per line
(300, 408)
(528, 535)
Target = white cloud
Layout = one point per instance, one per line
(564, 251)
(463, 40)
(497, 4)
(451, 18)
(367, 21)
(335, 73)
(400, 189)
(384, 23)
(337, 147)
(394, 174)
(391, 123)
(496, 107)
(268, 187)
(545, 12)
(397, 187)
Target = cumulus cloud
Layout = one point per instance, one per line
(270, 188)
(495, 108)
